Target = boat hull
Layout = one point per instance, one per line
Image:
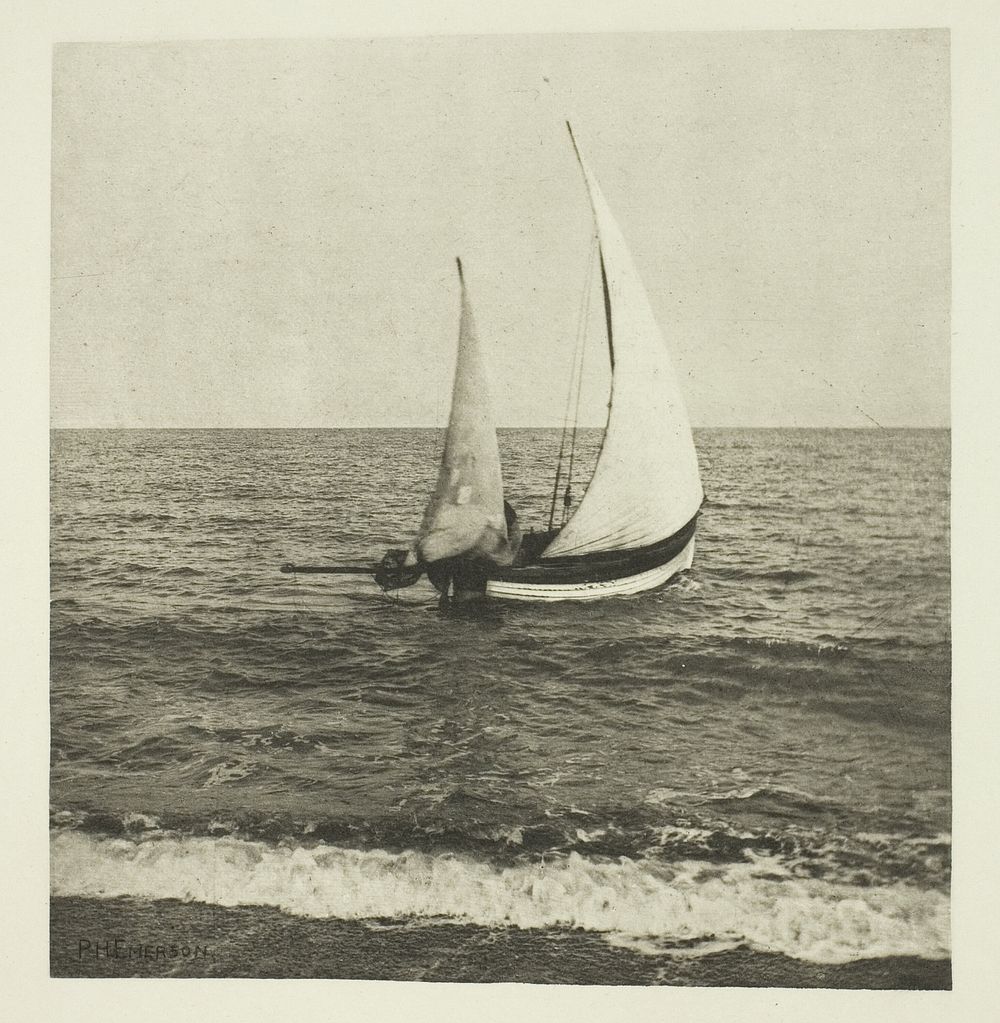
(588, 578)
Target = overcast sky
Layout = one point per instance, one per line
(264, 233)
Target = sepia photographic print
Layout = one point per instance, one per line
(500, 509)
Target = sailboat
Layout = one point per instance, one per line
(633, 529)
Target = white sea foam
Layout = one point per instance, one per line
(758, 903)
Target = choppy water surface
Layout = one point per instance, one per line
(757, 755)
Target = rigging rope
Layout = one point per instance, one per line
(576, 378)
(568, 498)
(576, 382)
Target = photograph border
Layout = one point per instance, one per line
(975, 35)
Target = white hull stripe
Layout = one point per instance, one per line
(594, 591)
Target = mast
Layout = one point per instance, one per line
(646, 484)
(604, 274)
(607, 313)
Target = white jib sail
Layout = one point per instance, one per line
(465, 515)
(646, 484)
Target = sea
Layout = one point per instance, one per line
(742, 779)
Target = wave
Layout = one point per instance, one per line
(780, 647)
(785, 576)
(758, 904)
(671, 826)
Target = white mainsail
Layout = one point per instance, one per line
(465, 515)
(646, 485)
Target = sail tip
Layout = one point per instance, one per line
(572, 138)
(458, 262)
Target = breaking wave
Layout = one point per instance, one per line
(652, 832)
(757, 903)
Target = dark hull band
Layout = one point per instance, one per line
(601, 566)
